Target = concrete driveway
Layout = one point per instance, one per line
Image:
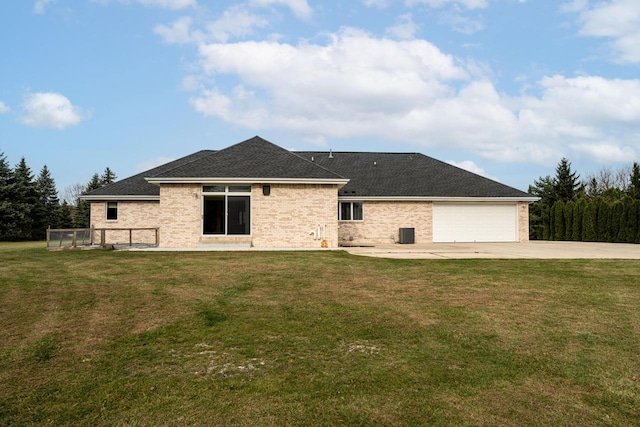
(530, 250)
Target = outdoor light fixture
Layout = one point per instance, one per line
(266, 190)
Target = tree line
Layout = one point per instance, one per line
(29, 204)
(604, 207)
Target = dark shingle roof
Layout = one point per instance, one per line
(137, 185)
(407, 174)
(253, 158)
(369, 174)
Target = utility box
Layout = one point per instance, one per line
(407, 236)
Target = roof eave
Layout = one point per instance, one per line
(226, 180)
(115, 197)
(436, 199)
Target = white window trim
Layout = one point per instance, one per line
(226, 193)
(106, 212)
(351, 202)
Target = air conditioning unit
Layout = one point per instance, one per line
(407, 236)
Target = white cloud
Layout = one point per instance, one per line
(359, 86)
(616, 20)
(4, 108)
(607, 153)
(169, 4)
(461, 23)
(39, 6)
(380, 4)
(166, 4)
(300, 8)
(470, 166)
(179, 32)
(235, 22)
(50, 110)
(469, 4)
(404, 29)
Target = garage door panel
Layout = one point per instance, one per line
(475, 222)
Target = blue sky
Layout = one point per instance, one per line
(505, 88)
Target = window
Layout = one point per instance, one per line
(226, 210)
(351, 211)
(112, 211)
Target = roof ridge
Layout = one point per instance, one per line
(212, 152)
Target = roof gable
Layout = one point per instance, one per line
(253, 158)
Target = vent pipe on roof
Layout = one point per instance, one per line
(330, 153)
(312, 159)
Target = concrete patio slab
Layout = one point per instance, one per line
(529, 250)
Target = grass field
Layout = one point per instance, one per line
(315, 338)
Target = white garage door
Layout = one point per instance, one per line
(458, 222)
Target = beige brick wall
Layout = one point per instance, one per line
(180, 215)
(286, 217)
(130, 215)
(523, 222)
(382, 220)
(282, 219)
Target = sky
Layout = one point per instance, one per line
(503, 88)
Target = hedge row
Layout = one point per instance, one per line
(597, 220)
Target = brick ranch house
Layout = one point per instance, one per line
(260, 194)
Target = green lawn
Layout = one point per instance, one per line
(315, 338)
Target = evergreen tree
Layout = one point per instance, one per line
(618, 222)
(108, 177)
(64, 216)
(634, 184)
(8, 215)
(81, 217)
(567, 183)
(631, 207)
(26, 202)
(569, 207)
(578, 218)
(48, 204)
(589, 219)
(603, 223)
(540, 211)
(558, 220)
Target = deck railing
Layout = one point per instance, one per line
(73, 238)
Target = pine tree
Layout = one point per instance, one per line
(26, 203)
(567, 183)
(64, 216)
(8, 215)
(539, 212)
(108, 177)
(81, 217)
(49, 203)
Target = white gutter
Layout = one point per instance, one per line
(341, 182)
(120, 198)
(435, 199)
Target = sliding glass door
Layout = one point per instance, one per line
(225, 211)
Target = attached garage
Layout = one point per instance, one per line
(475, 222)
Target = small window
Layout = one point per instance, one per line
(112, 211)
(213, 189)
(239, 189)
(351, 211)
